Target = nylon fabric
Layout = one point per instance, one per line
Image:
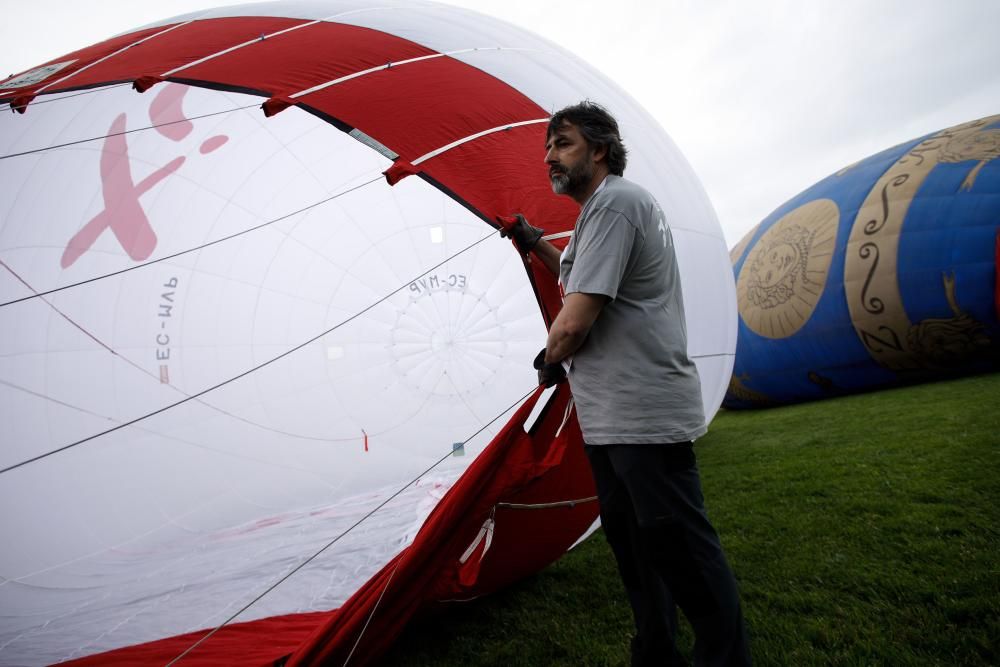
(518, 467)
(291, 435)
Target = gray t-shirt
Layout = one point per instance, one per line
(632, 379)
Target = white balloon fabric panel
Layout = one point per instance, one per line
(553, 78)
(430, 317)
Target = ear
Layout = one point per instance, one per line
(600, 153)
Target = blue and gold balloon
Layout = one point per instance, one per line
(882, 274)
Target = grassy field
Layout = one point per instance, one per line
(863, 531)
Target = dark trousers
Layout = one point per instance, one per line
(668, 554)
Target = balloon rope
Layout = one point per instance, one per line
(89, 91)
(355, 525)
(251, 370)
(150, 374)
(370, 616)
(35, 295)
(136, 129)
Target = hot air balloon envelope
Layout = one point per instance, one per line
(883, 273)
(247, 352)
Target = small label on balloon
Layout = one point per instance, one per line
(435, 282)
(36, 75)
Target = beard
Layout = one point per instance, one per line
(573, 180)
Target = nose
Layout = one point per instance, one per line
(549, 156)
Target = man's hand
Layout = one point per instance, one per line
(524, 235)
(549, 374)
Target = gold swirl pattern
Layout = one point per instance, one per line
(982, 146)
(741, 392)
(871, 283)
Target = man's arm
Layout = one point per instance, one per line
(549, 256)
(570, 328)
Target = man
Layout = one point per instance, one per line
(621, 333)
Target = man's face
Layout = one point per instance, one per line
(570, 160)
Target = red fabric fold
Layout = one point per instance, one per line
(399, 170)
(21, 102)
(144, 83)
(516, 467)
(276, 105)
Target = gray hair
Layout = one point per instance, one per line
(598, 127)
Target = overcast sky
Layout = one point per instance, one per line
(764, 98)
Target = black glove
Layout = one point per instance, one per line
(524, 235)
(549, 374)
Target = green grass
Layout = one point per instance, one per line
(863, 531)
